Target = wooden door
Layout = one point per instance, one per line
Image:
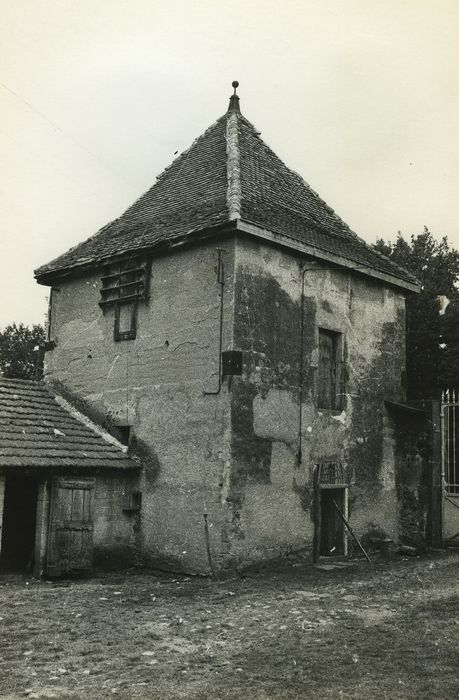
(70, 542)
(331, 526)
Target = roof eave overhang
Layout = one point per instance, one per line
(97, 467)
(236, 225)
(313, 251)
(159, 248)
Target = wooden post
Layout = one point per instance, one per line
(354, 536)
(2, 499)
(317, 516)
(41, 532)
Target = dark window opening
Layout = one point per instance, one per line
(125, 320)
(19, 525)
(122, 433)
(50, 342)
(330, 377)
(133, 502)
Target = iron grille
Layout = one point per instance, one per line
(331, 474)
(126, 281)
(450, 413)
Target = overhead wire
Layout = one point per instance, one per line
(33, 154)
(59, 129)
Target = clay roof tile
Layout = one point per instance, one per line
(37, 431)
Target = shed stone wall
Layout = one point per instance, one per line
(116, 524)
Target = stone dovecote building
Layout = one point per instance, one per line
(242, 339)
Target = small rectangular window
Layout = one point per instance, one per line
(126, 320)
(329, 378)
(50, 342)
(124, 284)
(122, 433)
(132, 502)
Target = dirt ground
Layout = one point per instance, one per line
(290, 630)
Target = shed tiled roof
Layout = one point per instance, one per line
(228, 174)
(35, 431)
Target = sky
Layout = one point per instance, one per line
(360, 97)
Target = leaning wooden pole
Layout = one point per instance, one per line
(316, 544)
(209, 553)
(353, 535)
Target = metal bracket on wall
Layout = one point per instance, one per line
(231, 363)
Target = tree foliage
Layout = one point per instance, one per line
(432, 340)
(21, 355)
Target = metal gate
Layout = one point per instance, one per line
(450, 465)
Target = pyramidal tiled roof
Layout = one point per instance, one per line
(228, 175)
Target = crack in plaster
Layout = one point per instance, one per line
(112, 366)
(77, 334)
(190, 342)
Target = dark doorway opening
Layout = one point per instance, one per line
(19, 524)
(331, 524)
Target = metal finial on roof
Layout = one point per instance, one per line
(234, 99)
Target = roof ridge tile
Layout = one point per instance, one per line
(233, 165)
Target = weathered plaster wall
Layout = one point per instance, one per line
(269, 493)
(156, 384)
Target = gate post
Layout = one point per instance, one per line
(437, 477)
(2, 498)
(41, 536)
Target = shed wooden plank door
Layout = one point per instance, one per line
(70, 542)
